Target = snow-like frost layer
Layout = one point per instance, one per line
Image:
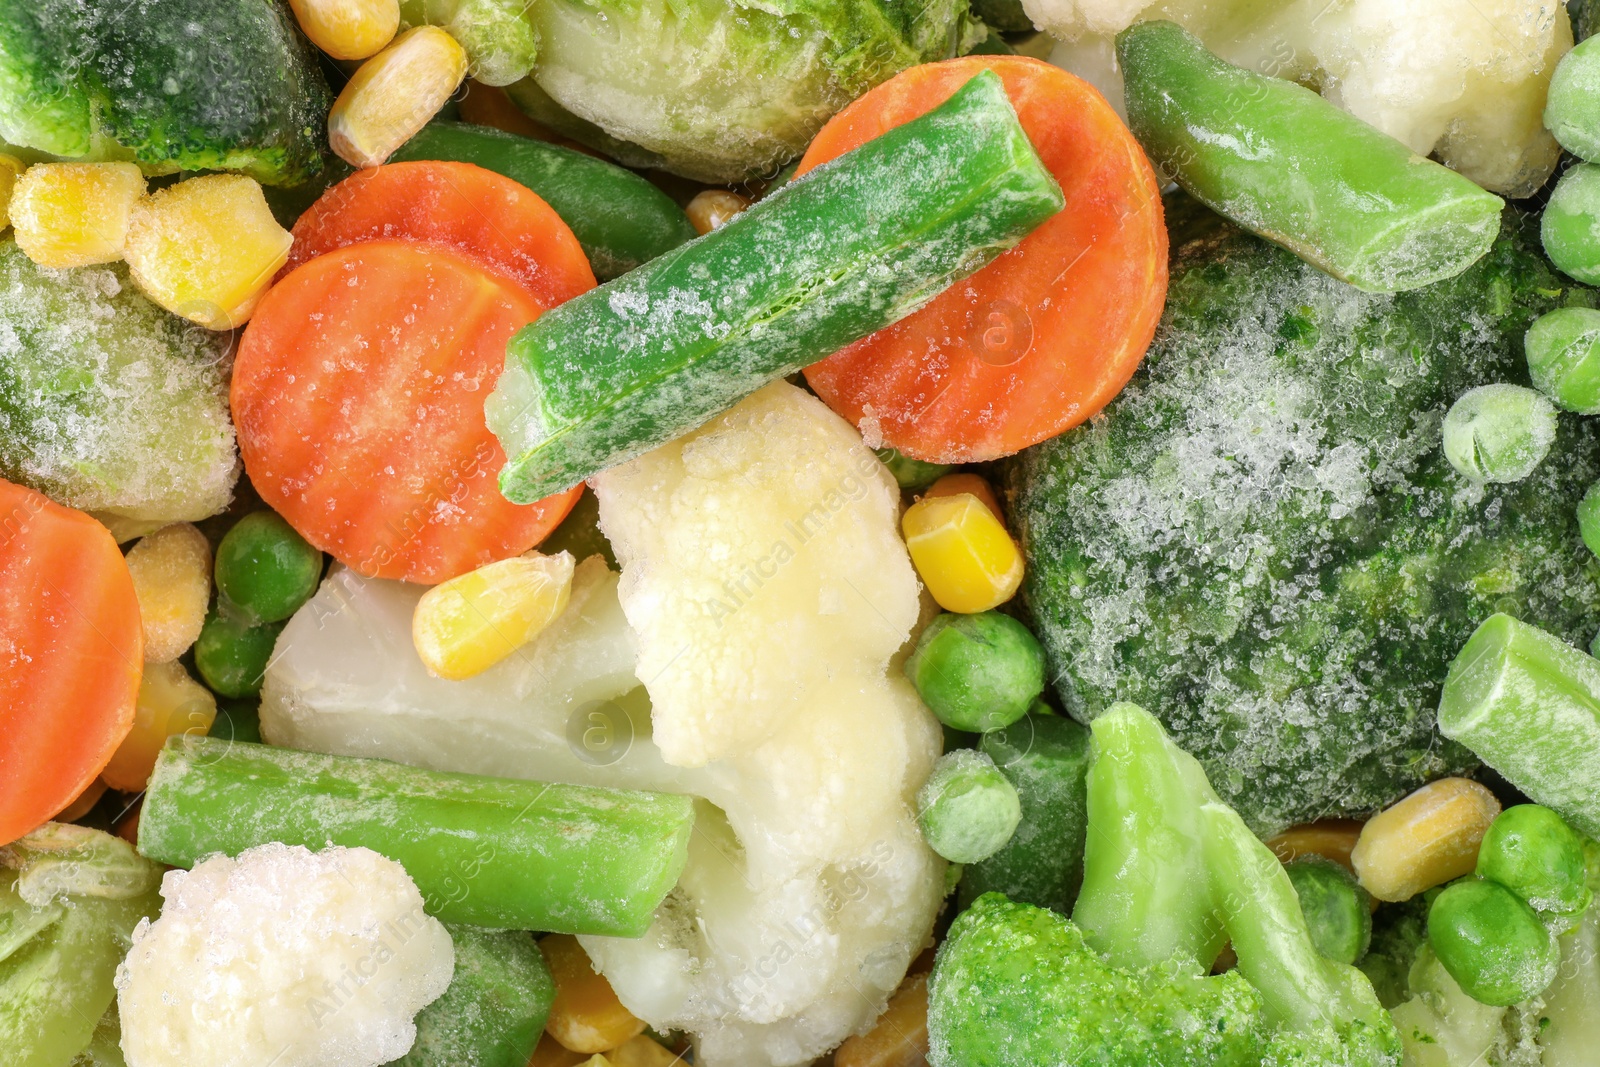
(1463, 78)
(772, 599)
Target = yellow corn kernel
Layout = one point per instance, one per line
(712, 208)
(84, 803)
(74, 214)
(965, 556)
(170, 703)
(348, 29)
(586, 1015)
(1424, 840)
(963, 482)
(394, 94)
(900, 1038)
(597, 1060)
(207, 248)
(11, 169)
(468, 624)
(171, 571)
(1330, 838)
(641, 1051)
(552, 1053)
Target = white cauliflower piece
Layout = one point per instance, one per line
(283, 956)
(1463, 79)
(808, 888)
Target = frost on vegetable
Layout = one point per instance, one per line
(311, 959)
(1264, 543)
(497, 35)
(767, 592)
(723, 90)
(107, 403)
(1463, 79)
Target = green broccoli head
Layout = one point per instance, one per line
(1170, 874)
(1262, 542)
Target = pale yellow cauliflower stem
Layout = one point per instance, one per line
(1465, 79)
(768, 597)
(282, 956)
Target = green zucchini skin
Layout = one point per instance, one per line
(850, 248)
(619, 218)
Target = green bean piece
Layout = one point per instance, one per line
(1570, 225)
(1338, 911)
(1564, 358)
(496, 1006)
(1532, 851)
(977, 672)
(265, 568)
(1572, 107)
(1499, 433)
(1528, 705)
(911, 473)
(231, 653)
(1589, 520)
(966, 809)
(1492, 943)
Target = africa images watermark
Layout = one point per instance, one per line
(396, 934)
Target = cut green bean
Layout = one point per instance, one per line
(1337, 910)
(1499, 433)
(855, 245)
(977, 672)
(1286, 164)
(493, 852)
(1492, 943)
(966, 809)
(1532, 851)
(1528, 705)
(496, 1006)
(1572, 106)
(1564, 358)
(1570, 225)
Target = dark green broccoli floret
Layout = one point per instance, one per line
(1170, 874)
(1262, 541)
(42, 101)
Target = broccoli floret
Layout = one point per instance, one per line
(1170, 874)
(1262, 541)
(42, 101)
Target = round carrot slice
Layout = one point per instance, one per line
(1047, 334)
(71, 655)
(501, 224)
(358, 397)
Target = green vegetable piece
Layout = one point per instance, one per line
(1531, 851)
(237, 720)
(1528, 705)
(1399, 932)
(69, 900)
(201, 85)
(105, 1047)
(1336, 908)
(967, 810)
(1046, 758)
(1286, 164)
(852, 247)
(1572, 108)
(495, 1008)
(1570, 225)
(1492, 943)
(42, 101)
(232, 653)
(1564, 358)
(1589, 526)
(265, 568)
(108, 403)
(911, 473)
(494, 852)
(1499, 433)
(977, 672)
(1006, 16)
(619, 218)
(580, 533)
(496, 34)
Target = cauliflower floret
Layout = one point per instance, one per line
(283, 956)
(808, 888)
(1465, 79)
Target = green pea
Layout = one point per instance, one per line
(1572, 107)
(911, 473)
(231, 654)
(1532, 851)
(1563, 350)
(237, 720)
(1338, 911)
(1499, 433)
(1492, 943)
(1569, 224)
(265, 568)
(967, 809)
(977, 672)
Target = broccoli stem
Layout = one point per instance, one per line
(1146, 896)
